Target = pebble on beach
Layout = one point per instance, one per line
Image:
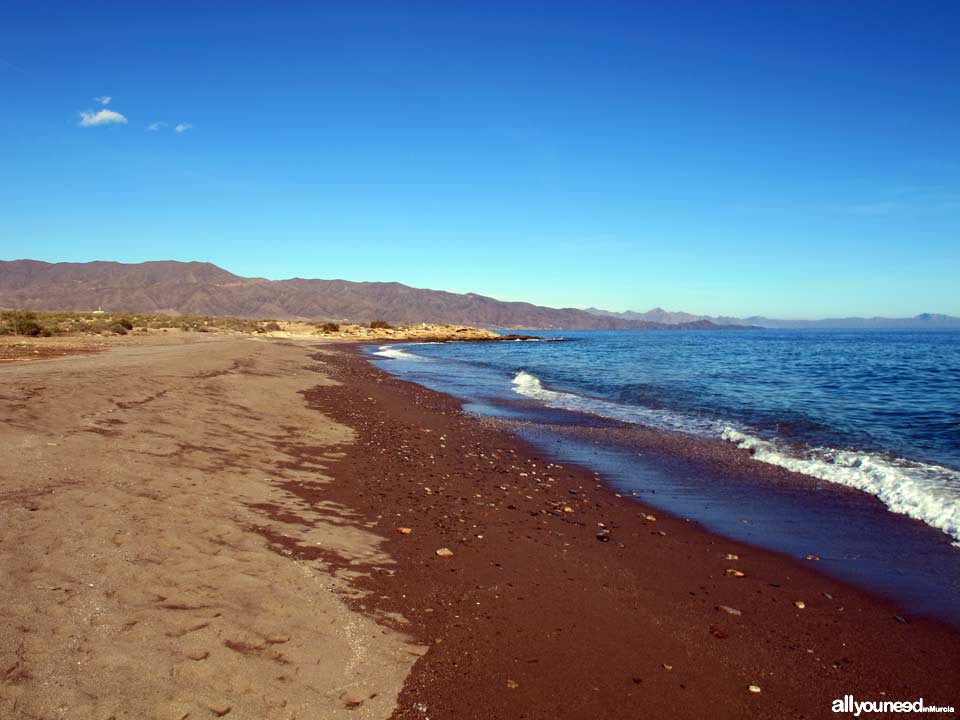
(445, 552)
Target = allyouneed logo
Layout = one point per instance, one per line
(848, 705)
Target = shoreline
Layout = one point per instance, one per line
(202, 526)
(546, 613)
(859, 537)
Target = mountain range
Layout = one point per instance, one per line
(923, 321)
(198, 288)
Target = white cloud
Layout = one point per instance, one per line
(103, 99)
(182, 127)
(101, 117)
(156, 125)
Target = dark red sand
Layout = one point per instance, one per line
(534, 616)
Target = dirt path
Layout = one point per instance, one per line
(137, 582)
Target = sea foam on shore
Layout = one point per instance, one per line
(926, 492)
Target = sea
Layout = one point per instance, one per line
(870, 419)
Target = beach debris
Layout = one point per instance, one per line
(567, 508)
(445, 552)
(352, 700)
(513, 684)
(800, 604)
(404, 530)
(218, 708)
(661, 533)
(603, 536)
(813, 558)
(729, 610)
(667, 667)
(827, 595)
(718, 633)
(731, 556)
(755, 689)
(735, 572)
(901, 619)
(649, 518)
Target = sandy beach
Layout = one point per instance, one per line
(245, 527)
(138, 583)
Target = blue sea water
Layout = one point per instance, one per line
(878, 411)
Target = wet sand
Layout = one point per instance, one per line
(535, 616)
(208, 527)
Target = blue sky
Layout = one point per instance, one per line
(792, 159)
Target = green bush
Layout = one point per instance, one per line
(330, 327)
(21, 322)
(380, 325)
(272, 326)
(118, 328)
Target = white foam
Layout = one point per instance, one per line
(930, 493)
(396, 353)
(529, 385)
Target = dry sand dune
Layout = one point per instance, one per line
(138, 580)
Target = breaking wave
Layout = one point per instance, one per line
(930, 493)
(529, 385)
(926, 492)
(395, 353)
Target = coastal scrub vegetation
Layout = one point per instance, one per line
(46, 324)
(22, 322)
(37, 324)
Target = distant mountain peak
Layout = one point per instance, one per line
(923, 321)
